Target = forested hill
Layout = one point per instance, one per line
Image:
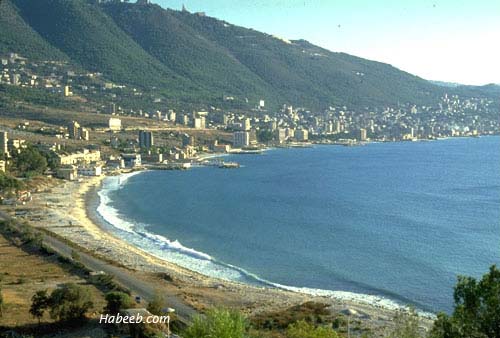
(192, 57)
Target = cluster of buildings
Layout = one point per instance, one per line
(7, 147)
(77, 132)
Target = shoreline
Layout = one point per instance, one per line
(375, 300)
(71, 213)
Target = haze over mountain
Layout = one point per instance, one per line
(194, 58)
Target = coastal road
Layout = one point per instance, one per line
(123, 276)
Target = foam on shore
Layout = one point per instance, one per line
(174, 252)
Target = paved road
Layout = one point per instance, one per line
(126, 278)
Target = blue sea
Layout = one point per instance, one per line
(390, 223)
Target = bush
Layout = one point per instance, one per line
(406, 325)
(218, 323)
(303, 329)
(157, 305)
(117, 301)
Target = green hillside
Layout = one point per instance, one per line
(304, 73)
(91, 39)
(18, 37)
(192, 58)
(184, 51)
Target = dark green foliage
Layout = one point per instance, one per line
(18, 37)
(265, 136)
(9, 182)
(183, 50)
(30, 162)
(39, 303)
(117, 301)
(70, 302)
(91, 39)
(477, 309)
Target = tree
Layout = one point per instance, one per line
(117, 301)
(9, 182)
(477, 309)
(29, 161)
(70, 302)
(39, 303)
(220, 323)
(303, 329)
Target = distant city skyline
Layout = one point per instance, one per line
(451, 41)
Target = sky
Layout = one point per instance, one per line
(446, 40)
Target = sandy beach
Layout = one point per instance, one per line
(69, 211)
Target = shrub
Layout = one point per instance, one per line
(303, 329)
(220, 323)
(117, 301)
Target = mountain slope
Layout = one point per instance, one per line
(18, 37)
(196, 59)
(184, 51)
(303, 72)
(92, 40)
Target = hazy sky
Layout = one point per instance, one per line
(447, 40)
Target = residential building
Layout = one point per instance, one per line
(4, 143)
(281, 135)
(241, 139)
(132, 160)
(69, 173)
(146, 139)
(199, 123)
(92, 170)
(115, 124)
(301, 135)
(86, 157)
(362, 134)
(74, 130)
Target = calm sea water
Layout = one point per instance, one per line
(397, 220)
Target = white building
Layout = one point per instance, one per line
(115, 124)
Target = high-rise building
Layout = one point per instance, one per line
(281, 135)
(241, 139)
(74, 130)
(4, 143)
(199, 123)
(246, 124)
(301, 135)
(84, 134)
(362, 134)
(146, 139)
(112, 109)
